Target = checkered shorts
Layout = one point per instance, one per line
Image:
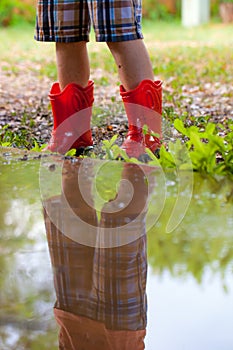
(71, 20)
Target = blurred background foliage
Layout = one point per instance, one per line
(15, 11)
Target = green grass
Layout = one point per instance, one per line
(193, 66)
(216, 34)
(194, 53)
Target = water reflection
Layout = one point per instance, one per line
(101, 291)
(189, 280)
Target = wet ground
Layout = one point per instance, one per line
(178, 226)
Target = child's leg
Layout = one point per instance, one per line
(67, 22)
(72, 63)
(72, 93)
(141, 95)
(133, 62)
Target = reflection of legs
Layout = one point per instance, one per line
(72, 262)
(101, 299)
(117, 213)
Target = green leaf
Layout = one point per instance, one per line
(145, 129)
(113, 140)
(179, 125)
(210, 128)
(5, 144)
(71, 152)
(196, 141)
(166, 159)
(154, 160)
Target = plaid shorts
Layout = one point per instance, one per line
(71, 20)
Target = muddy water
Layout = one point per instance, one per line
(90, 225)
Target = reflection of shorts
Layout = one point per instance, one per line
(70, 20)
(107, 285)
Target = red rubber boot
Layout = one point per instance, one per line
(72, 109)
(143, 106)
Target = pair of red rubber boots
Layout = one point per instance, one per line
(72, 110)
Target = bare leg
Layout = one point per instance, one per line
(72, 63)
(133, 62)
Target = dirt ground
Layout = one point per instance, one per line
(24, 103)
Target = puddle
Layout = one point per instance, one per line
(104, 225)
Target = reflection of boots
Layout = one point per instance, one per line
(143, 106)
(65, 104)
